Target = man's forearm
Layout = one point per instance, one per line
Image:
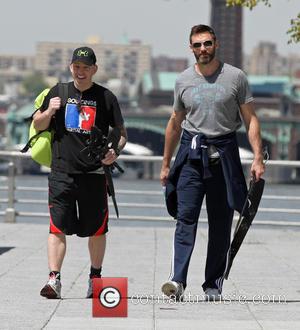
(253, 129)
(41, 120)
(255, 138)
(171, 140)
(123, 138)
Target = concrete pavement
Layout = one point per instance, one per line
(263, 291)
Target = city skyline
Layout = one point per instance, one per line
(163, 24)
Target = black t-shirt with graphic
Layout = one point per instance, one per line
(96, 106)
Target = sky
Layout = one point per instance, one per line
(163, 24)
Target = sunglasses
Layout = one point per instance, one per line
(206, 44)
(79, 104)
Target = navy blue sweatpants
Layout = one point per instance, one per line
(191, 189)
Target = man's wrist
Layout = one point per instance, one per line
(259, 157)
(118, 151)
(166, 162)
(49, 113)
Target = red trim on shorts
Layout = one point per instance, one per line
(53, 228)
(102, 228)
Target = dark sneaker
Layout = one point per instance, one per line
(52, 289)
(173, 289)
(213, 294)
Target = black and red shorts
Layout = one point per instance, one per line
(78, 204)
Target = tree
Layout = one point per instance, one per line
(294, 30)
(34, 84)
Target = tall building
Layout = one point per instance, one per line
(265, 60)
(227, 23)
(122, 61)
(15, 67)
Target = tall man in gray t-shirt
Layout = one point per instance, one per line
(211, 99)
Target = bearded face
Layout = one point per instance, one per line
(203, 47)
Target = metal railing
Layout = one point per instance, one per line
(10, 213)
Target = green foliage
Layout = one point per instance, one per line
(247, 3)
(34, 84)
(294, 31)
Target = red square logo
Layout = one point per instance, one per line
(110, 297)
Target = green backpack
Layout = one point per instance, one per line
(40, 142)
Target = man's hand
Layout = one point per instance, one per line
(257, 169)
(54, 105)
(110, 157)
(42, 120)
(164, 175)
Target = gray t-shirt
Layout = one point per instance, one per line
(212, 103)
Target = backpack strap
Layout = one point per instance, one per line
(28, 144)
(63, 93)
(63, 90)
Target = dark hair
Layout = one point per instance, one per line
(201, 29)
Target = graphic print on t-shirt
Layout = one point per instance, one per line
(207, 95)
(80, 119)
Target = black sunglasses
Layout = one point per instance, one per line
(79, 104)
(206, 44)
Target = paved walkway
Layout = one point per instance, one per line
(263, 291)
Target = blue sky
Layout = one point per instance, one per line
(165, 24)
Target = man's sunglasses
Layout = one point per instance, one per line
(79, 104)
(206, 44)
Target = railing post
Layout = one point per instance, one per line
(151, 170)
(10, 212)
